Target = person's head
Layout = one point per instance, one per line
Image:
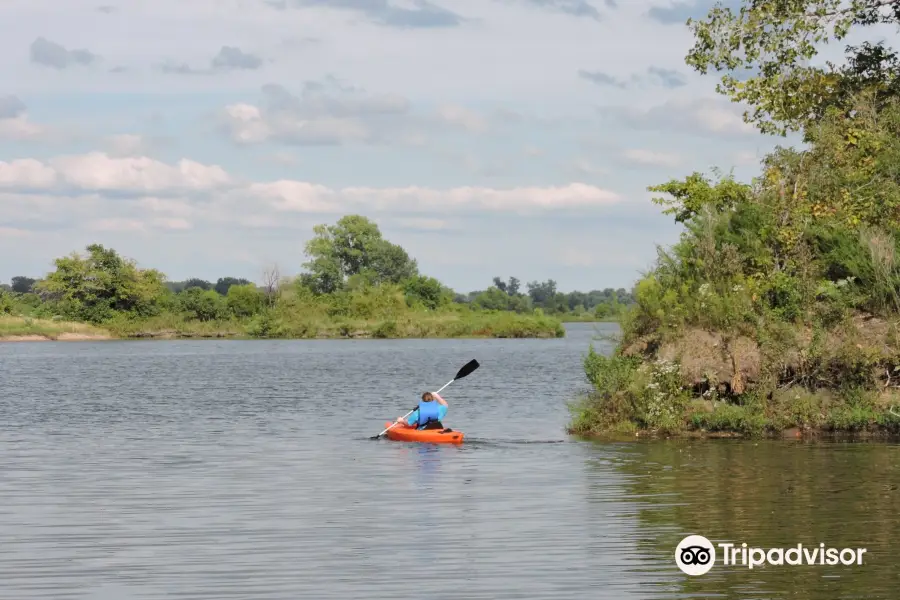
(427, 397)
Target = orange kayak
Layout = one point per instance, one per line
(402, 433)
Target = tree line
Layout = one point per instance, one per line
(347, 261)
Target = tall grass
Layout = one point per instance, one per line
(16, 326)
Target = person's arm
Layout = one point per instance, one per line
(439, 399)
(413, 417)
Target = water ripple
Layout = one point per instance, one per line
(216, 470)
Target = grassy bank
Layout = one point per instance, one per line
(587, 318)
(30, 329)
(409, 325)
(168, 326)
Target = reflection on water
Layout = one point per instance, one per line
(215, 470)
(767, 494)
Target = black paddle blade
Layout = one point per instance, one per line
(467, 369)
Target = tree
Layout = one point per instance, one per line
(512, 288)
(695, 192)
(774, 40)
(427, 290)
(500, 285)
(542, 292)
(197, 283)
(353, 246)
(271, 285)
(224, 284)
(22, 285)
(94, 287)
(492, 298)
(202, 305)
(244, 300)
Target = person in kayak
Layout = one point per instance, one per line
(429, 413)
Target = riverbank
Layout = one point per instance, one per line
(26, 329)
(413, 325)
(779, 381)
(586, 318)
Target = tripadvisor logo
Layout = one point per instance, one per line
(696, 555)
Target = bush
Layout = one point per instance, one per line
(202, 305)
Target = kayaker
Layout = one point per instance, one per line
(429, 413)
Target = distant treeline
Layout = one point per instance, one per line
(502, 295)
(544, 295)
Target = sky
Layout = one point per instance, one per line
(206, 138)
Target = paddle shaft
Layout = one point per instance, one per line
(414, 410)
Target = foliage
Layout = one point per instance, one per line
(244, 300)
(781, 300)
(695, 193)
(22, 285)
(92, 288)
(352, 247)
(764, 52)
(426, 291)
(379, 293)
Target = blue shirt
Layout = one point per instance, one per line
(414, 417)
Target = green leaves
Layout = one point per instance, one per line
(695, 192)
(93, 287)
(352, 247)
(774, 40)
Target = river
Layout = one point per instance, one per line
(221, 470)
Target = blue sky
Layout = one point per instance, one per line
(206, 138)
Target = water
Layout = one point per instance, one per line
(229, 469)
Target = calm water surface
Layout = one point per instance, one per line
(242, 469)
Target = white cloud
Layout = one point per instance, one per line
(686, 114)
(306, 197)
(584, 166)
(747, 159)
(438, 125)
(20, 128)
(650, 158)
(418, 223)
(463, 117)
(327, 112)
(178, 195)
(98, 171)
(128, 145)
(13, 232)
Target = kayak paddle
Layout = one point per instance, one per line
(466, 370)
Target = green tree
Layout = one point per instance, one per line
(224, 284)
(492, 298)
(513, 287)
(22, 285)
(541, 293)
(689, 196)
(6, 303)
(202, 305)
(94, 287)
(765, 50)
(428, 291)
(244, 300)
(197, 283)
(353, 246)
